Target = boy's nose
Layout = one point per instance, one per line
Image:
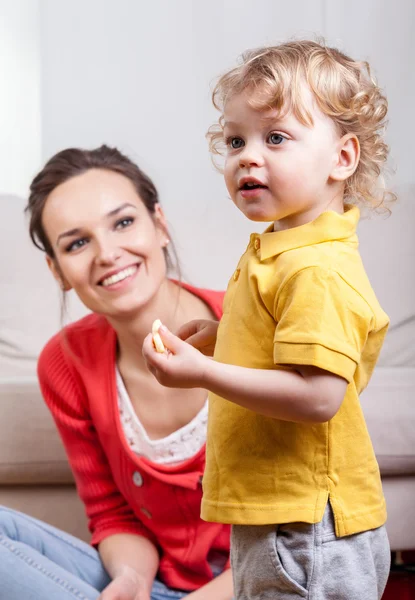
(250, 157)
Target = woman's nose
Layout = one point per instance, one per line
(106, 252)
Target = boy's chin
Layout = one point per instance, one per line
(257, 213)
(259, 216)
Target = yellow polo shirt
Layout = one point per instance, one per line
(298, 297)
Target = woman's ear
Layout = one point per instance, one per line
(56, 272)
(161, 224)
(348, 156)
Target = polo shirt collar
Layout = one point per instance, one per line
(329, 226)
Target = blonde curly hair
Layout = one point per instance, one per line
(343, 88)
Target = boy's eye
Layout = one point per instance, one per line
(235, 143)
(275, 139)
(75, 245)
(124, 222)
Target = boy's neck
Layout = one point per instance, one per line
(291, 221)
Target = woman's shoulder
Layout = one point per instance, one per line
(213, 298)
(78, 342)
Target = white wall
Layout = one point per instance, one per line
(381, 31)
(20, 130)
(136, 74)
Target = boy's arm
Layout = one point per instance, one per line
(307, 394)
(321, 321)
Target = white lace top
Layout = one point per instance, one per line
(173, 449)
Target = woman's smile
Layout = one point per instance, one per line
(120, 278)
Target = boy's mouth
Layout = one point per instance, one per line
(252, 186)
(249, 183)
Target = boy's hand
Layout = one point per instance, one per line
(182, 366)
(200, 334)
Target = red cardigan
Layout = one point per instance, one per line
(122, 492)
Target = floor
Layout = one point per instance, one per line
(401, 584)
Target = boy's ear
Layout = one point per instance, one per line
(64, 285)
(348, 155)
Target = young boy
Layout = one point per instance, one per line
(289, 460)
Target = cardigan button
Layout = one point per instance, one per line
(146, 512)
(137, 479)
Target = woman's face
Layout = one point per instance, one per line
(107, 246)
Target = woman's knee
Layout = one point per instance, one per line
(8, 521)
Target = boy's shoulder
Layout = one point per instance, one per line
(322, 257)
(338, 266)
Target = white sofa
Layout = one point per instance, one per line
(387, 245)
(34, 473)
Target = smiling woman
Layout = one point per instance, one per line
(137, 450)
(103, 231)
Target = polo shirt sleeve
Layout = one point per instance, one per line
(321, 321)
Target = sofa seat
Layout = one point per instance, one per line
(388, 405)
(34, 473)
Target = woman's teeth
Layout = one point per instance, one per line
(119, 276)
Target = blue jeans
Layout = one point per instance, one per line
(38, 561)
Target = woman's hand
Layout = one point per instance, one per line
(182, 366)
(219, 588)
(201, 334)
(128, 585)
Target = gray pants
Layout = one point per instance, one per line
(299, 560)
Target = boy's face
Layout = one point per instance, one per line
(278, 169)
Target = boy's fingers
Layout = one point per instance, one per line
(171, 341)
(149, 352)
(187, 330)
(198, 340)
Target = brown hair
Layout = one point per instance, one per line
(344, 89)
(72, 162)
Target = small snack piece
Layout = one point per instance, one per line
(158, 344)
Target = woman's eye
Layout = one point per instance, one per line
(76, 245)
(235, 143)
(276, 139)
(125, 222)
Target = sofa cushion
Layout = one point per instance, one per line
(31, 451)
(388, 405)
(387, 245)
(58, 505)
